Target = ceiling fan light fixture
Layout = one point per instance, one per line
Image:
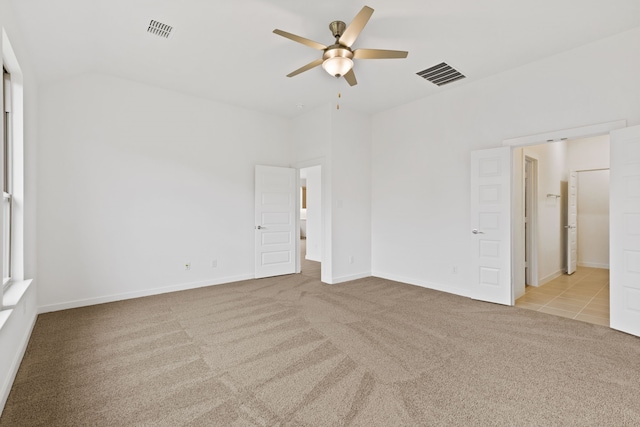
(337, 66)
(337, 60)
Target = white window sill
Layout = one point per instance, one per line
(11, 298)
(14, 294)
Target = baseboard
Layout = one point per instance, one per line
(15, 364)
(593, 265)
(140, 294)
(349, 278)
(423, 284)
(550, 277)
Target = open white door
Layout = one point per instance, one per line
(275, 216)
(624, 286)
(491, 225)
(572, 223)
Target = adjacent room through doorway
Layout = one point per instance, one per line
(311, 221)
(567, 224)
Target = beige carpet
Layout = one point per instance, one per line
(290, 351)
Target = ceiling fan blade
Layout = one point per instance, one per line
(352, 32)
(378, 54)
(307, 67)
(299, 39)
(350, 77)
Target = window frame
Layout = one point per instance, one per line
(7, 192)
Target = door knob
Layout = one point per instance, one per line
(259, 227)
(475, 231)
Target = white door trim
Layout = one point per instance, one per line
(326, 265)
(572, 222)
(547, 137)
(571, 133)
(533, 221)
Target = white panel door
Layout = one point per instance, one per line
(275, 216)
(624, 286)
(491, 225)
(572, 223)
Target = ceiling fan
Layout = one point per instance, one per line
(337, 59)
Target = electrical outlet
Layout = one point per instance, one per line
(187, 266)
(351, 259)
(454, 270)
(214, 263)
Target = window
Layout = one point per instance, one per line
(7, 195)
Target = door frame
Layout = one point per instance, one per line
(517, 254)
(571, 227)
(518, 239)
(325, 264)
(531, 232)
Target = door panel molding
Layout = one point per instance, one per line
(624, 216)
(490, 226)
(276, 229)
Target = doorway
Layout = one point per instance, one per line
(311, 221)
(577, 234)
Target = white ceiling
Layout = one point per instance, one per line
(226, 51)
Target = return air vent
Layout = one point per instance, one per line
(159, 29)
(441, 74)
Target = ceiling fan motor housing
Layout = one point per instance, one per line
(337, 59)
(337, 28)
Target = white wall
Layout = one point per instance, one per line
(135, 181)
(593, 219)
(314, 213)
(340, 140)
(588, 153)
(420, 208)
(16, 324)
(552, 174)
(351, 195)
(583, 155)
(311, 135)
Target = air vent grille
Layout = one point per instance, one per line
(159, 29)
(441, 74)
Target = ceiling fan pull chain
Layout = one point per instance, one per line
(339, 94)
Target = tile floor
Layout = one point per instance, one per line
(584, 295)
(308, 268)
